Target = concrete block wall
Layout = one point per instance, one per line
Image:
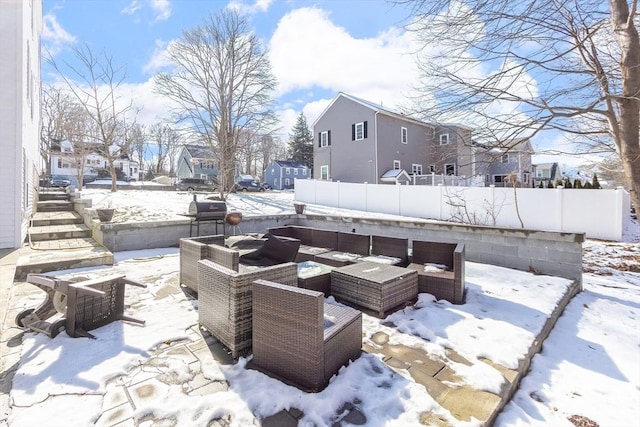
(541, 252)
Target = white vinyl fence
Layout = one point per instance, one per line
(600, 214)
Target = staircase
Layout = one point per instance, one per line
(58, 239)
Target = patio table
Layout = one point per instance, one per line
(379, 287)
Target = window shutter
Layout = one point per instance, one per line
(319, 139)
(365, 129)
(328, 137)
(353, 132)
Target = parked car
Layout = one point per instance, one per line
(267, 186)
(195, 184)
(248, 186)
(59, 181)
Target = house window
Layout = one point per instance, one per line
(304, 172)
(325, 138)
(539, 173)
(416, 169)
(526, 177)
(504, 158)
(450, 169)
(287, 182)
(358, 131)
(295, 171)
(324, 172)
(432, 168)
(403, 135)
(287, 171)
(396, 164)
(444, 139)
(499, 179)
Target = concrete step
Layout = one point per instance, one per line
(55, 255)
(55, 205)
(41, 219)
(58, 232)
(52, 195)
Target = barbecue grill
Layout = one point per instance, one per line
(208, 210)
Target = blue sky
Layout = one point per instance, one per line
(317, 48)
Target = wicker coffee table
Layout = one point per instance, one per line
(379, 287)
(315, 276)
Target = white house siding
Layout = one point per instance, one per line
(20, 29)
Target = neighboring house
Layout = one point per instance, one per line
(359, 141)
(63, 162)
(502, 166)
(197, 162)
(280, 174)
(545, 172)
(20, 30)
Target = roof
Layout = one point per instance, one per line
(393, 175)
(373, 106)
(200, 152)
(290, 164)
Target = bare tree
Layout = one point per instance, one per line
(78, 132)
(56, 106)
(518, 68)
(136, 141)
(222, 84)
(94, 81)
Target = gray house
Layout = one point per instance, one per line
(359, 141)
(506, 165)
(197, 162)
(280, 174)
(545, 173)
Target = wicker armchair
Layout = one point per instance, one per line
(224, 300)
(192, 250)
(300, 338)
(448, 283)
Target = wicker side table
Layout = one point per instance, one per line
(315, 276)
(375, 286)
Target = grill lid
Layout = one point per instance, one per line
(207, 210)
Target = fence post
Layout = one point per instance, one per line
(441, 201)
(619, 217)
(559, 210)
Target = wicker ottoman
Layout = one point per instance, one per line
(375, 286)
(315, 276)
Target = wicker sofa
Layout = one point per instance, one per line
(299, 337)
(446, 283)
(224, 300)
(313, 241)
(351, 246)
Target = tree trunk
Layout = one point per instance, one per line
(627, 134)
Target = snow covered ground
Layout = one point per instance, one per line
(588, 370)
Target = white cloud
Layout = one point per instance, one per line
(53, 35)
(307, 50)
(159, 59)
(162, 9)
(132, 8)
(258, 6)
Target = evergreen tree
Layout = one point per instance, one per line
(541, 185)
(549, 184)
(577, 183)
(588, 185)
(594, 182)
(567, 183)
(301, 142)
